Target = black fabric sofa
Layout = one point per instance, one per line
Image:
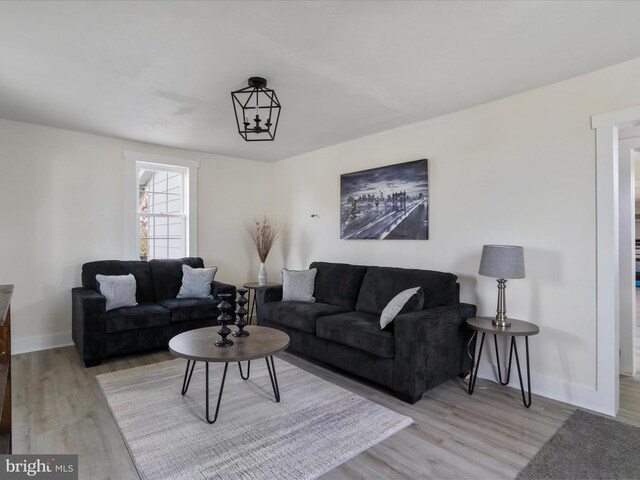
(158, 317)
(342, 328)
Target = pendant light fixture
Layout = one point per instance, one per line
(257, 111)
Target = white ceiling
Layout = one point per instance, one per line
(162, 72)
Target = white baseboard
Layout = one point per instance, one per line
(40, 342)
(553, 388)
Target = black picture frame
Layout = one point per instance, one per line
(386, 203)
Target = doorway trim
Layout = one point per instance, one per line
(627, 152)
(606, 126)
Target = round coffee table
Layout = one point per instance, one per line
(199, 346)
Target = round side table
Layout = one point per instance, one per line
(518, 328)
(252, 287)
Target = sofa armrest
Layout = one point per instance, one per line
(220, 287)
(430, 347)
(268, 294)
(88, 324)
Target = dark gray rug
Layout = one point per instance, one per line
(588, 446)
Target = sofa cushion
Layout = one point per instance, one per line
(118, 290)
(167, 275)
(143, 315)
(407, 301)
(140, 270)
(381, 284)
(298, 315)
(196, 282)
(338, 283)
(298, 285)
(359, 330)
(185, 309)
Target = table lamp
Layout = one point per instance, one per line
(502, 262)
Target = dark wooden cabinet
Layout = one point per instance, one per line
(6, 291)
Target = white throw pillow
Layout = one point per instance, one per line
(395, 305)
(119, 290)
(196, 282)
(298, 285)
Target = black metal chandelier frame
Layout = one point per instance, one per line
(249, 104)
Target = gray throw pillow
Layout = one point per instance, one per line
(119, 290)
(397, 304)
(298, 285)
(196, 282)
(415, 303)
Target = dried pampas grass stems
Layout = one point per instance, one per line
(264, 236)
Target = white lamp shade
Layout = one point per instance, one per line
(502, 261)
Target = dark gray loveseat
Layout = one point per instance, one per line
(158, 317)
(342, 328)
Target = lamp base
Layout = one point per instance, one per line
(501, 314)
(501, 323)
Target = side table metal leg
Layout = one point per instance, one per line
(526, 401)
(224, 376)
(187, 379)
(495, 342)
(474, 376)
(253, 307)
(248, 370)
(272, 376)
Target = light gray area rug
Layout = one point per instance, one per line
(315, 427)
(588, 446)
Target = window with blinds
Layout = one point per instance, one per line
(162, 218)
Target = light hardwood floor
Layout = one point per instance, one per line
(59, 408)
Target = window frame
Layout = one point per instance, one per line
(182, 215)
(189, 168)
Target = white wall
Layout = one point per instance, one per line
(63, 194)
(521, 171)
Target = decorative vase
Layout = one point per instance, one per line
(224, 319)
(262, 275)
(240, 313)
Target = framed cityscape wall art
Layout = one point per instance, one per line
(386, 203)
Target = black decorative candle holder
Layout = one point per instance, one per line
(224, 319)
(240, 313)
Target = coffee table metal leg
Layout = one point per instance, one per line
(187, 379)
(248, 370)
(272, 376)
(474, 376)
(495, 342)
(526, 401)
(224, 376)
